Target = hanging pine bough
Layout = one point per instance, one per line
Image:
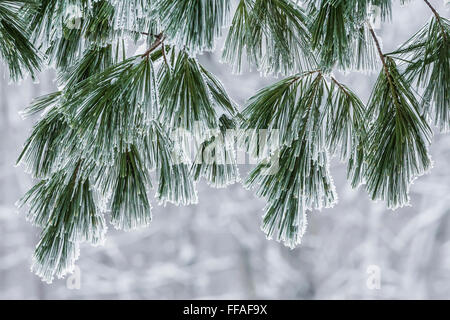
(340, 35)
(427, 59)
(272, 34)
(108, 136)
(216, 159)
(190, 96)
(346, 130)
(301, 180)
(64, 207)
(15, 48)
(202, 20)
(398, 137)
(397, 140)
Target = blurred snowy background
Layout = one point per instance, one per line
(216, 250)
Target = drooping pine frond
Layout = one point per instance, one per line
(295, 177)
(67, 28)
(119, 148)
(346, 130)
(340, 34)
(170, 162)
(216, 159)
(202, 22)
(427, 58)
(306, 119)
(86, 28)
(189, 97)
(112, 113)
(120, 123)
(93, 61)
(15, 48)
(397, 140)
(130, 207)
(134, 17)
(300, 181)
(48, 17)
(272, 34)
(263, 111)
(53, 141)
(64, 206)
(42, 151)
(185, 100)
(219, 95)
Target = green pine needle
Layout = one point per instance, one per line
(15, 48)
(294, 178)
(397, 141)
(427, 58)
(64, 206)
(340, 35)
(203, 21)
(116, 118)
(216, 159)
(273, 34)
(130, 207)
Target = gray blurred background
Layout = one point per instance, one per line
(215, 250)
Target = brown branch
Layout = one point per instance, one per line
(380, 52)
(432, 9)
(438, 18)
(385, 67)
(341, 87)
(159, 40)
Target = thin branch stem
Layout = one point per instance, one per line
(341, 86)
(380, 52)
(438, 18)
(385, 67)
(305, 74)
(432, 9)
(159, 40)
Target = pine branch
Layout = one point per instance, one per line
(158, 42)
(339, 33)
(216, 159)
(114, 120)
(273, 34)
(427, 59)
(111, 114)
(64, 206)
(397, 140)
(15, 48)
(438, 18)
(202, 20)
(294, 177)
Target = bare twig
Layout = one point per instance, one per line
(159, 40)
(383, 60)
(438, 18)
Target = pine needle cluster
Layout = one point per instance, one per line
(105, 140)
